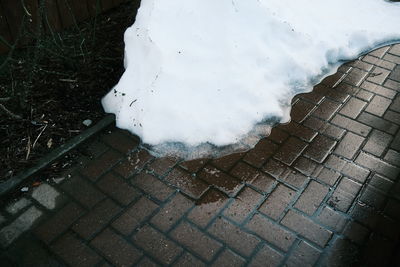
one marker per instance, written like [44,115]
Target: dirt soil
[52,86]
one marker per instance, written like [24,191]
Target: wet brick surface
[323,190]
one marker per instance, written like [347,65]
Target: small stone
[25,189]
[46,195]
[87,122]
[16,206]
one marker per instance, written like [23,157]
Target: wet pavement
[323,190]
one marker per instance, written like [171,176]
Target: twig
[28,152]
[10,113]
[37,138]
[5,99]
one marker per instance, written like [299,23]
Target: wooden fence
[58,14]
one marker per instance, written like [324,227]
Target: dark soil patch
[55,84]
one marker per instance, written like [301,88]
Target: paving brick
[96,219]
[59,223]
[373,88]
[351,125]
[227,162]
[333,131]
[392,209]
[365,95]
[381,183]
[47,196]
[171,212]
[101,164]
[349,145]
[396,143]
[301,110]
[152,186]
[314,123]
[188,259]
[18,205]
[392,117]
[395,74]
[260,153]
[395,50]
[316,96]
[276,168]
[356,232]
[392,58]
[279,136]
[189,185]
[341,93]
[306,227]
[134,216]
[392,157]
[299,130]
[344,194]
[83,191]
[378,123]
[207,208]
[361,64]
[224,182]
[95,148]
[392,84]
[290,150]
[380,52]
[303,254]
[373,198]
[233,236]
[277,202]
[133,163]
[336,163]
[228,258]
[353,108]
[263,183]
[378,75]
[305,166]
[332,219]
[365,215]
[193,165]
[376,164]
[320,148]
[377,142]
[355,77]
[310,200]
[328,176]
[120,141]
[356,172]
[74,252]
[331,80]
[395,104]
[341,253]
[21,224]
[271,232]
[295,179]
[116,249]
[162,165]
[245,172]
[246,202]
[118,189]
[205,246]
[266,255]
[156,244]
[378,105]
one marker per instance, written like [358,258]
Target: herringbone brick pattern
[322,190]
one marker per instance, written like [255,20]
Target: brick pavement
[323,190]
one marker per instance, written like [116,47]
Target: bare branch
[10,113]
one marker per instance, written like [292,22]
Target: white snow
[203,75]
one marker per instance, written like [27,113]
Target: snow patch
[206,77]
